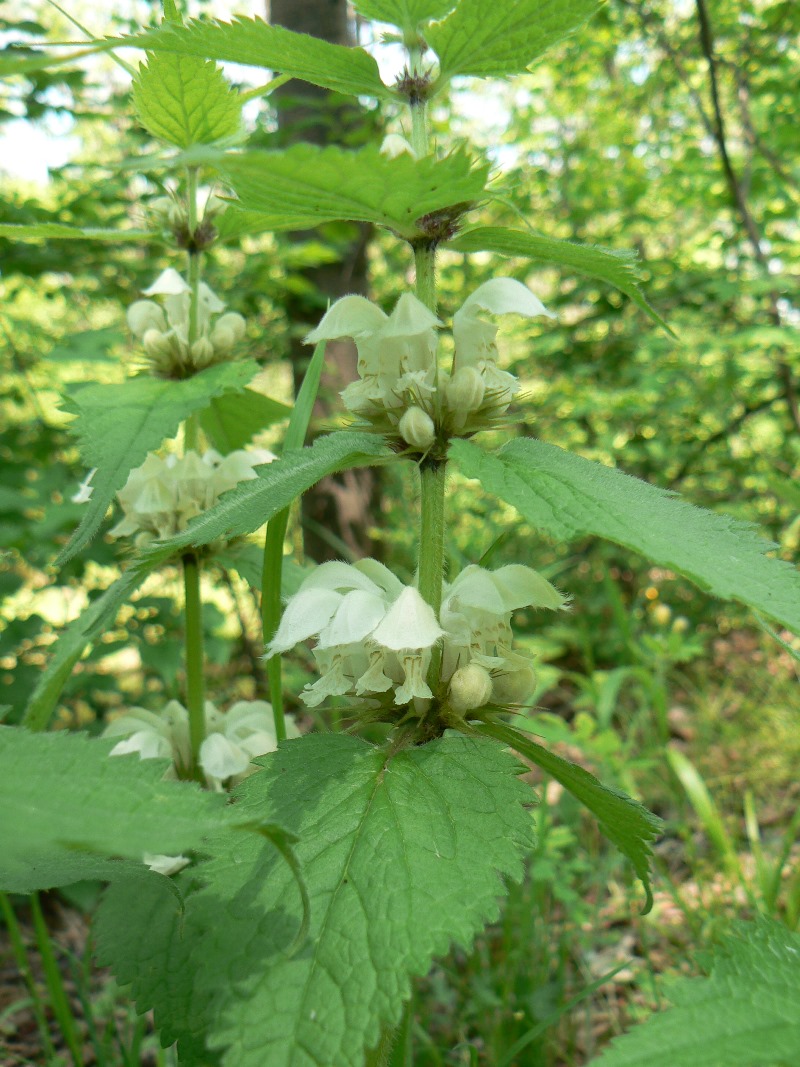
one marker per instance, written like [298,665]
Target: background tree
[339,514]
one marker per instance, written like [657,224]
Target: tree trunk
[337,514]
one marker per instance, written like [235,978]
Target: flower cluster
[399,389]
[232,740]
[166,492]
[375,635]
[164,331]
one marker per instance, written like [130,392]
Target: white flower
[164,331]
[166,865]
[476,617]
[85,489]
[162,495]
[177,296]
[397,361]
[476,339]
[396,353]
[375,635]
[232,741]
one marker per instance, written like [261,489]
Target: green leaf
[72,643]
[402,855]
[256,43]
[62,796]
[117,425]
[185,100]
[407,14]
[505,36]
[305,185]
[41,231]
[745,1014]
[88,345]
[568,497]
[252,503]
[618,268]
[232,420]
[626,823]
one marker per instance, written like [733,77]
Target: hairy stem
[195,697]
[431,546]
[194,255]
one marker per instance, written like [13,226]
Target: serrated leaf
[618,268]
[566,497]
[402,856]
[407,14]
[72,643]
[61,795]
[252,503]
[232,420]
[745,1014]
[185,100]
[505,36]
[306,185]
[254,42]
[625,822]
[41,231]
[117,425]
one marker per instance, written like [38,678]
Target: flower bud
[144,315]
[465,390]
[470,688]
[222,339]
[680,625]
[232,321]
[514,687]
[156,343]
[202,352]
[417,428]
[228,330]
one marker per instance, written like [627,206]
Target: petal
[522,587]
[415,668]
[352,316]
[221,758]
[168,283]
[503,296]
[342,577]
[208,300]
[474,588]
[165,864]
[306,613]
[410,318]
[356,617]
[85,489]
[381,576]
[147,743]
[409,623]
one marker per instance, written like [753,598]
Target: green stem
[194,256]
[271,612]
[431,547]
[431,555]
[425,267]
[195,697]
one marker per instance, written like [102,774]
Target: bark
[337,514]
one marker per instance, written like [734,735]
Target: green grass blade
[276,532]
